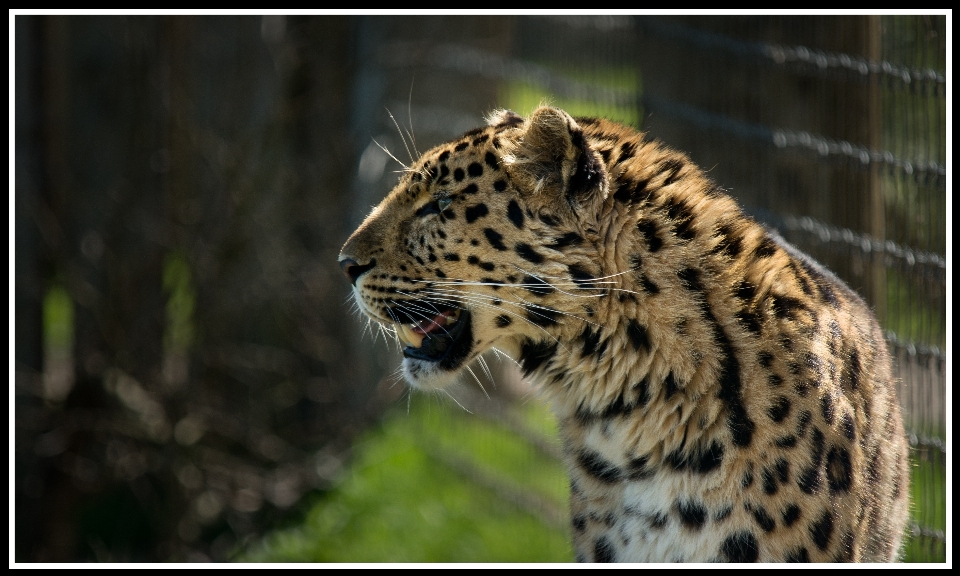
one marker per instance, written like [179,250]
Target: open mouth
[443,339]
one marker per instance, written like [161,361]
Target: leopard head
[488,241]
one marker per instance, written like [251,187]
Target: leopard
[720,396]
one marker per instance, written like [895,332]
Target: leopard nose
[353,270]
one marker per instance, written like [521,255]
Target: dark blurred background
[187,367]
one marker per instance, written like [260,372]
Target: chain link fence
[831,130]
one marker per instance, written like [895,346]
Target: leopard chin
[426,376]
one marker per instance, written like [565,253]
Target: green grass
[912,314]
[408,498]
[929,493]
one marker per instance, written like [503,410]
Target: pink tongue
[428,326]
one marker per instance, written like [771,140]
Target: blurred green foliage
[406,497]
[929,493]
[181,297]
[913,314]
[57,319]
[524,97]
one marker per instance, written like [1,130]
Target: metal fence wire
[831,130]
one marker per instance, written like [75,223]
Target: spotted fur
[721,396]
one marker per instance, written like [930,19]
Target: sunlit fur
[720,395]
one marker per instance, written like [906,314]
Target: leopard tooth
[408,336]
[452,318]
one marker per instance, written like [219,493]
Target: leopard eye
[435,207]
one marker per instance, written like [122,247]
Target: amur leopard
[720,395]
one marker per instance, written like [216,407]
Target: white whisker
[486,370]
[478,382]
[568,285]
[410,118]
[402,138]
[384,148]
[444,390]
[406,307]
[474,299]
[415,298]
[585,280]
[501,354]
[526,304]
[397,376]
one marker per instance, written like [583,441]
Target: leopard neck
[655,353]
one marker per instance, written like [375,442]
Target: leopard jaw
[413,334]
[407,336]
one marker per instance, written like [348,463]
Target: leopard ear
[551,154]
[503,117]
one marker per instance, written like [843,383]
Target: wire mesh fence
[831,130]
[193,172]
